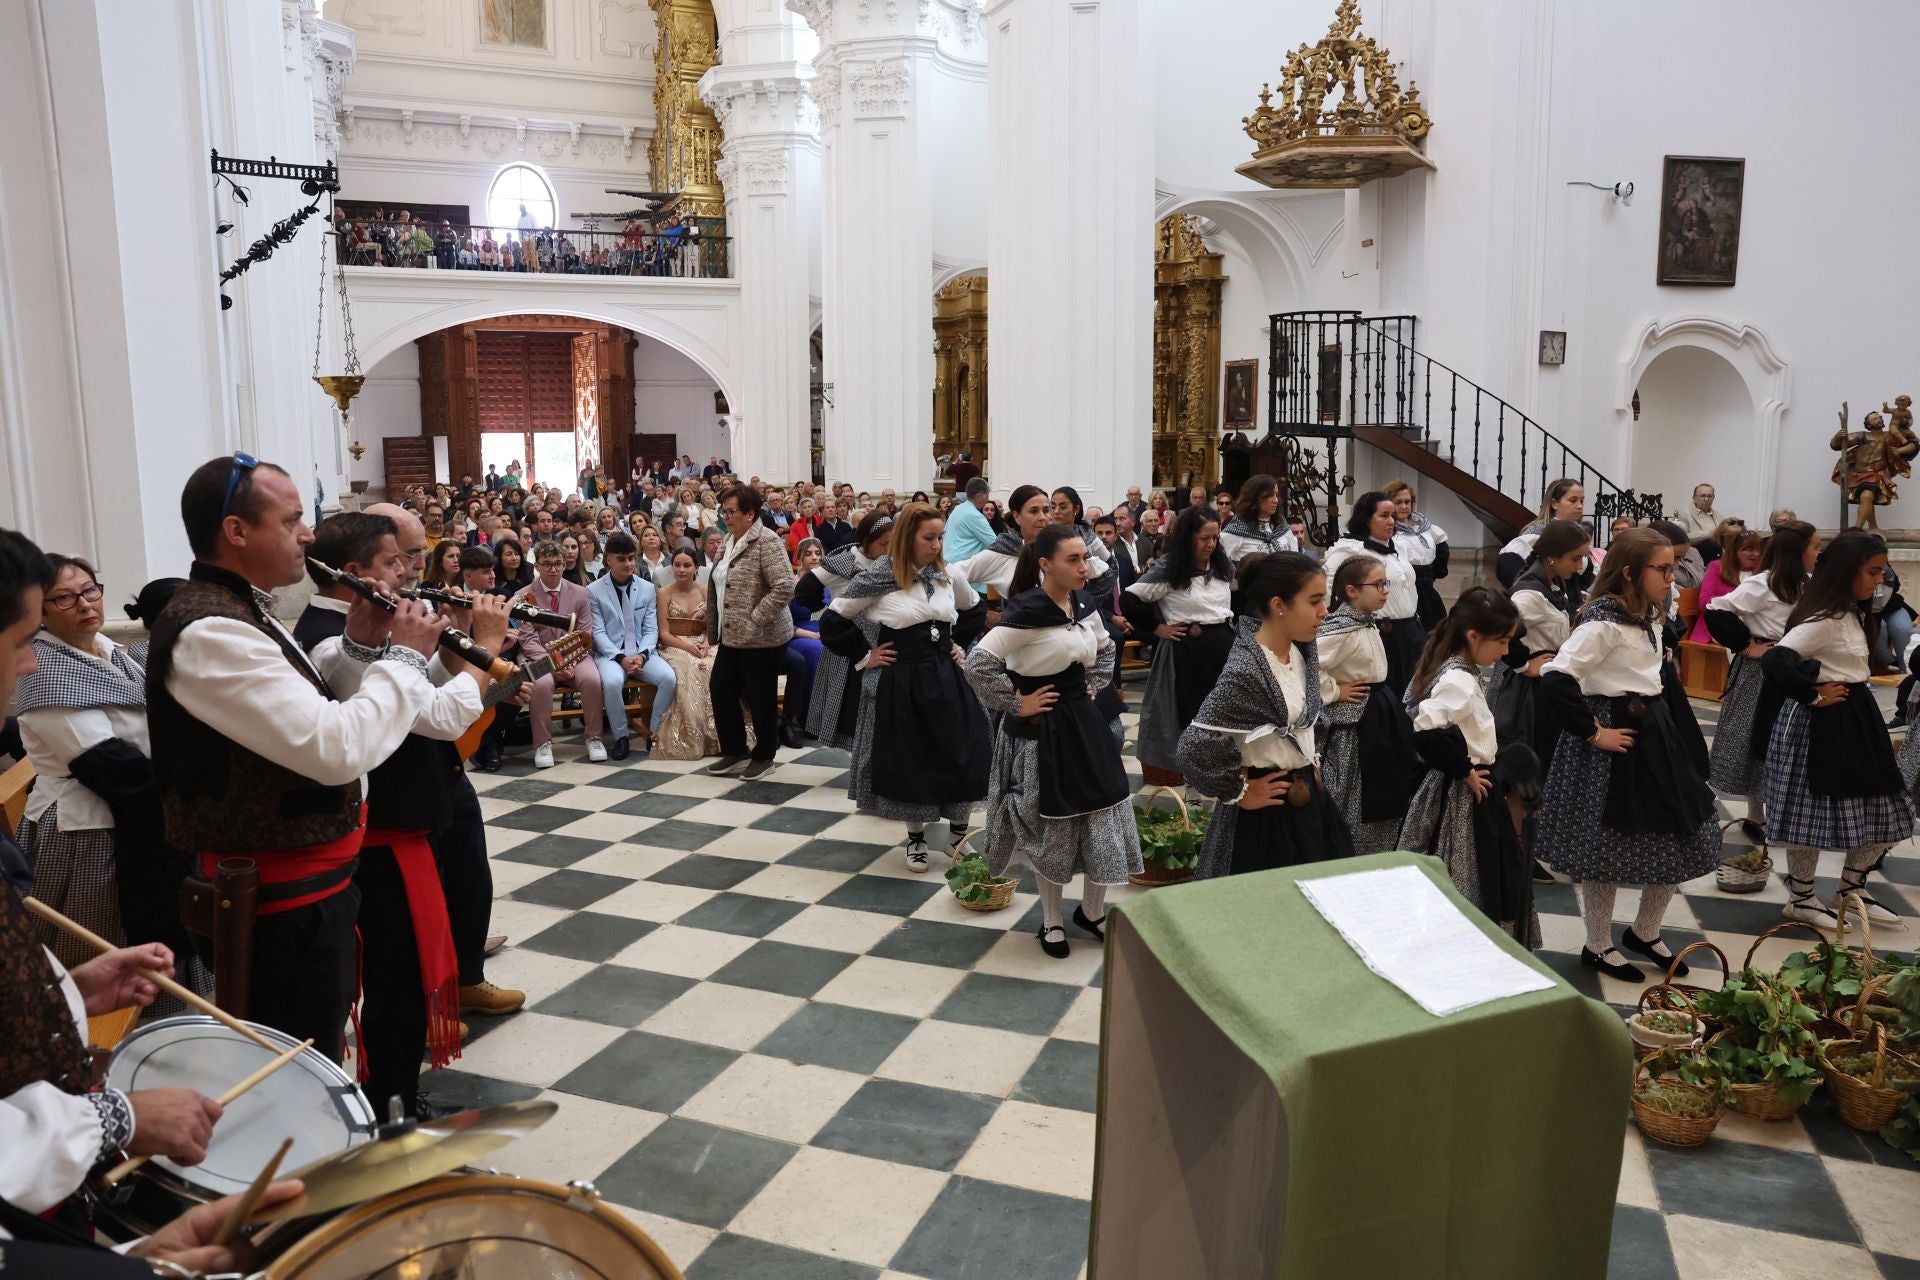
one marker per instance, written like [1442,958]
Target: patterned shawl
[1607,609]
[1416,525]
[877,580]
[66,680]
[1267,535]
[1565,597]
[1347,618]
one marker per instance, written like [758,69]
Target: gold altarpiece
[684,154]
[1187,284]
[960,368]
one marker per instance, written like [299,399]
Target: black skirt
[1429,608]
[930,743]
[1403,638]
[1197,663]
[1657,785]
[1385,736]
[1079,758]
[1288,835]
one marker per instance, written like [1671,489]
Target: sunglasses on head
[240,464]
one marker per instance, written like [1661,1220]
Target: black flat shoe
[1540,873]
[1651,950]
[1059,950]
[1091,926]
[622,747]
[1622,970]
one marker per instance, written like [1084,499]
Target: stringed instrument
[563,653]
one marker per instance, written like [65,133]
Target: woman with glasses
[83,721]
[1368,759]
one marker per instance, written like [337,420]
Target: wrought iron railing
[443,246]
[1332,371]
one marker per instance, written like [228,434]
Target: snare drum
[310,1100]
[483,1227]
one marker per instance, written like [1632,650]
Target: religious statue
[1870,459]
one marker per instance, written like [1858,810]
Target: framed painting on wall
[1700,199]
[1242,378]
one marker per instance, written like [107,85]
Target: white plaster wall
[958,109]
[389,405]
[673,394]
[1694,407]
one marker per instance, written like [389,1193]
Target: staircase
[1338,374]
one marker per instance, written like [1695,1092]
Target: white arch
[1768,380]
[945,273]
[1278,252]
[697,318]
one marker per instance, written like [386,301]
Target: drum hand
[187,1241]
[120,978]
[176,1123]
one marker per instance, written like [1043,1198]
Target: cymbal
[391,1164]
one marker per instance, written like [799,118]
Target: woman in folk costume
[1186,600]
[1367,756]
[1370,532]
[1060,800]
[1565,500]
[1029,510]
[1461,814]
[921,750]
[1748,620]
[1625,801]
[834,709]
[1257,524]
[1424,544]
[1251,746]
[1069,510]
[1832,780]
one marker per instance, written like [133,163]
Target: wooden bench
[1703,670]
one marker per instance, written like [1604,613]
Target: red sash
[432,935]
[315,861]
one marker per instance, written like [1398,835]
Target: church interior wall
[959,120]
[673,395]
[388,405]
[1694,411]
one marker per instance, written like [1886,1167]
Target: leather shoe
[489,760]
[484,997]
[1651,950]
[1058,949]
[1613,969]
[790,736]
[620,748]
[495,941]
[1091,926]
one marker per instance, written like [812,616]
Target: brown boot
[484,997]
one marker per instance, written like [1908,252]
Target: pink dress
[1710,586]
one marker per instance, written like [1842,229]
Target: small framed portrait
[1700,198]
[1553,346]
[1241,392]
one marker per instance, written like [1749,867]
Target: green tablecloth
[1270,1107]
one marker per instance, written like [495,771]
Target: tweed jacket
[759,585]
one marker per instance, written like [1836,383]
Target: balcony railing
[422,245]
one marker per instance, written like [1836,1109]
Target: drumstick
[126,1167]
[168,985]
[251,1196]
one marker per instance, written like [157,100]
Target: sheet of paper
[1411,934]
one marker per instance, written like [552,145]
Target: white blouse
[1238,546]
[834,581]
[1349,656]
[1270,746]
[1611,659]
[1420,548]
[1839,645]
[1205,600]
[1403,591]
[912,606]
[1042,651]
[1754,603]
[1456,699]
[53,736]
[988,568]
[1547,626]
[1521,546]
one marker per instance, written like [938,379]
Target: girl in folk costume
[921,750]
[1460,814]
[1370,532]
[1565,500]
[1832,780]
[1369,739]
[1070,511]
[1749,620]
[1424,544]
[1625,802]
[1251,747]
[1059,800]
[1257,524]
[1028,512]
[834,709]
[1186,600]
[1547,598]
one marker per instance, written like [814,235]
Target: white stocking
[1596,905]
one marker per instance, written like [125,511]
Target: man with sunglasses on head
[257,756]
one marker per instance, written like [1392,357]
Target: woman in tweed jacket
[748,588]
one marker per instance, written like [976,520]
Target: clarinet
[458,643]
[519,610]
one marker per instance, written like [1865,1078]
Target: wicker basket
[1866,1103]
[1763,1101]
[1661,998]
[1154,776]
[1690,990]
[1732,879]
[1152,874]
[1662,1126]
[999,892]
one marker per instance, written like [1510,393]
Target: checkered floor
[790,1059]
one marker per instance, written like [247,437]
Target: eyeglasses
[1664,570]
[1380,585]
[66,600]
[242,463]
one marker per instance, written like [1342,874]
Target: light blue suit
[623,629]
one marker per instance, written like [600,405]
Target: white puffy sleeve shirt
[1839,645]
[1403,589]
[49,1138]
[1754,603]
[1456,699]
[1611,659]
[1206,600]
[1275,746]
[1042,651]
[912,606]
[987,568]
[1547,627]
[1420,548]
[1349,656]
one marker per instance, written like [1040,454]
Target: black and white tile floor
[791,1059]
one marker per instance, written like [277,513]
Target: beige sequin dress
[687,733]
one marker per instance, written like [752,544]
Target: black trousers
[752,677]
[466,877]
[393,1007]
[303,970]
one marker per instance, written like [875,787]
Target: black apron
[930,742]
[1080,769]
[1386,744]
[1655,786]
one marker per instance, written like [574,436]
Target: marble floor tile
[948,1055]
[891,986]
[1704,1249]
[731,1017]
[690,953]
[1039,1148]
[535,1048]
[842,1205]
[773,1097]
[582,1138]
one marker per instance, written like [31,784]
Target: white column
[1070,244]
[872,81]
[770,169]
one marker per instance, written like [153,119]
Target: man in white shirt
[255,754]
[1701,519]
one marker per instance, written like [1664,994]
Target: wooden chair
[14,785]
[1687,609]
[1703,670]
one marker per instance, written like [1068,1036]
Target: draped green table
[1270,1107]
